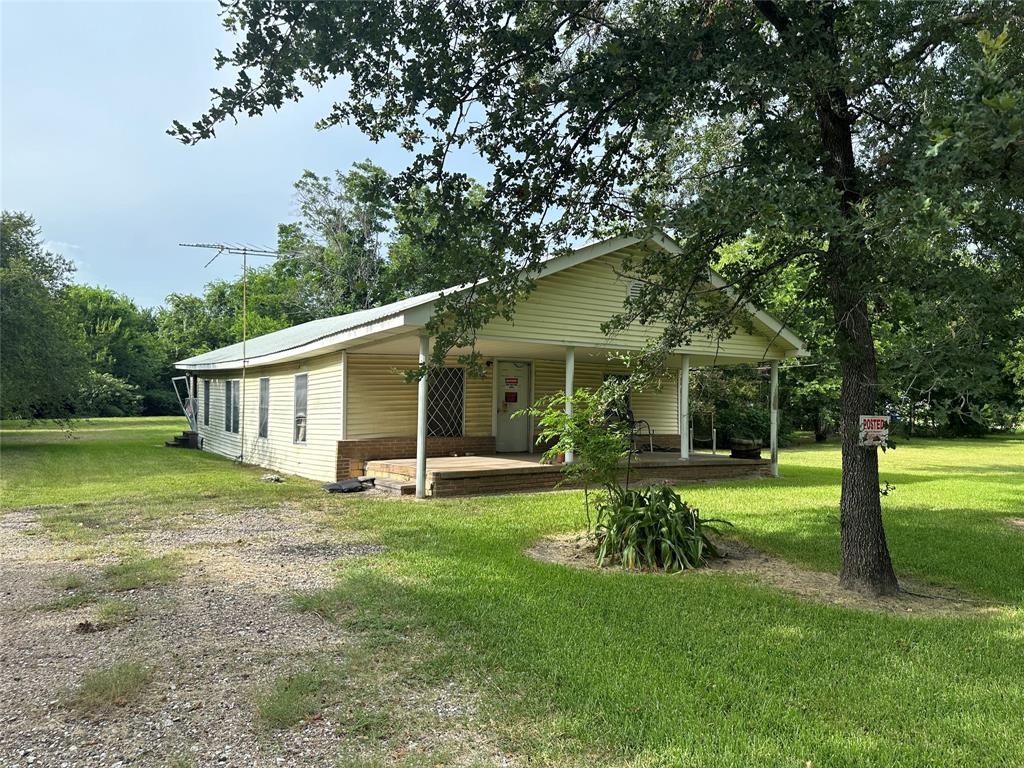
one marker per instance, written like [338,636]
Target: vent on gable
[635,288]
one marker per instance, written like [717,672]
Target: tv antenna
[245,251]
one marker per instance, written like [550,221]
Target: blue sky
[88,90]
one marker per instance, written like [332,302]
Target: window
[301,392]
[231,406]
[206,402]
[264,406]
[445,391]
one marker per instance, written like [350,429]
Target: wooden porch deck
[518,472]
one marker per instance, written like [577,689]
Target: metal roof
[307,333]
[313,337]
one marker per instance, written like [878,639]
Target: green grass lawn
[113,475]
[579,667]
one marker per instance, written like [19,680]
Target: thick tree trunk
[820,427]
[866,565]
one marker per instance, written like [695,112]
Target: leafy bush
[653,528]
[745,421]
[599,447]
[103,394]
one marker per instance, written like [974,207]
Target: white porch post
[570,372]
[684,409]
[774,437]
[344,394]
[421,423]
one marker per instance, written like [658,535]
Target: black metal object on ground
[350,486]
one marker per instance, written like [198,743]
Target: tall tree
[42,361]
[837,135]
[122,341]
[336,251]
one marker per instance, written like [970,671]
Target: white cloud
[59,246]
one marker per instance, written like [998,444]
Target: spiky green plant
[653,528]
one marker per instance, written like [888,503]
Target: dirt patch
[1016,522]
[224,630]
[577,551]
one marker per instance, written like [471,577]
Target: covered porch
[466,439]
[468,475]
[462,475]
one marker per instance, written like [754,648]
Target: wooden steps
[187,439]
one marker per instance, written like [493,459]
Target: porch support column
[421,423]
[344,394]
[774,436]
[570,372]
[684,409]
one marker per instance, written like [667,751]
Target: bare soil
[1016,522]
[213,638]
[577,550]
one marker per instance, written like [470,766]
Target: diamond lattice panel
[445,390]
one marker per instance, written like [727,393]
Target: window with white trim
[231,405]
[264,426]
[206,402]
[301,398]
[446,390]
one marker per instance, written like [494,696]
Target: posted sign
[874,431]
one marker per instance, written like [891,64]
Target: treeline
[950,358]
[951,362]
[72,350]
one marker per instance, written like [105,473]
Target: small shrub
[599,443]
[113,686]
[143,572]
[653,528]
[292,698]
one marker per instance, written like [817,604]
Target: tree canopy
[860,141]
[42,365]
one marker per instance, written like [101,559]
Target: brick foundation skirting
[353,454]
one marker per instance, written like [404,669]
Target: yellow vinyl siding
[316,458]
[382,404]
[657,406]
[569,307]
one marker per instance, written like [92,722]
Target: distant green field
[122,459]
[579,667]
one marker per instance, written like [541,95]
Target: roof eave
[383,327]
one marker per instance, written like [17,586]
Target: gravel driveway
[212,636]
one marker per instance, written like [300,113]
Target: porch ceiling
[408,345]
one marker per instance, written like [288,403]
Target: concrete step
[400,487]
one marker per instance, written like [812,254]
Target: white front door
[513,434]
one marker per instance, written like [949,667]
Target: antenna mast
[245,252]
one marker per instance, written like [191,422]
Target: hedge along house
[329,400]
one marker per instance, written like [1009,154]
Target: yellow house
[328,399]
